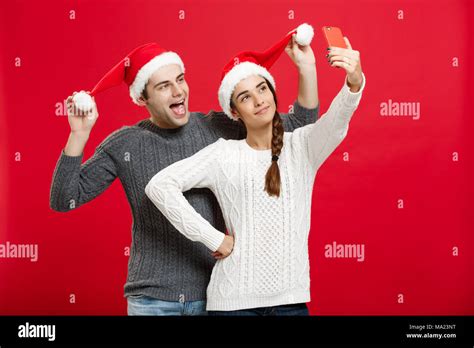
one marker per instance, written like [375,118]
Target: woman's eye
[244,98]
[263,88]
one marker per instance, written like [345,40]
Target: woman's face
[253,102]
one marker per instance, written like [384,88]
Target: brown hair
[272,178]
[145,93]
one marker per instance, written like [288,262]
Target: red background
[408,251]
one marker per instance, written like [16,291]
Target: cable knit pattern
[269,264]
[163,264]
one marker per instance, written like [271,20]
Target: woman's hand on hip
[225,249]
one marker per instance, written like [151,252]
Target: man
[167,273]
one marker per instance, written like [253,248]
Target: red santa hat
[250,63]
[135,70]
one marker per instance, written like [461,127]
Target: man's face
[253,102]
[168,94]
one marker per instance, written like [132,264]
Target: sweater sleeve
[300,117]
[166,189]
[320,139]
[74,184]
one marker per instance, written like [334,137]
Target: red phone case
[334,37]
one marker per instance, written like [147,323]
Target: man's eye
[163,86]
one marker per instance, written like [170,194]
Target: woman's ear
[234,113]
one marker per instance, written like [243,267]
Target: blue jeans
[145,305]
[299,309]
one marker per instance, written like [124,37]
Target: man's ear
[141,101]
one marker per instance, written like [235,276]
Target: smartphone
[334,37]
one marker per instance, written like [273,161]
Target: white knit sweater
[269,264]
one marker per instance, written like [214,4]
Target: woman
[263,184]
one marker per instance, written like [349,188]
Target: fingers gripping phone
[334,37]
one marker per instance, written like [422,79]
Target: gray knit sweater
[163,263]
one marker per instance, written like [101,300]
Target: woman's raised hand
[349,60]
[300,55]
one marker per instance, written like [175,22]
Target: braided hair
[272,177]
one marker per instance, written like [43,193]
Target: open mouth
[179,109]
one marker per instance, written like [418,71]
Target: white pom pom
[83,101]
[304,34]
